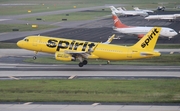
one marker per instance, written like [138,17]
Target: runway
[93,107]
[29,71]
[11,64]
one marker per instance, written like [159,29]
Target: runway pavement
[34,71]
[11,64]
[93,107]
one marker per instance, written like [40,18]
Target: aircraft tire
[85,62]
[81,64]
[34,57]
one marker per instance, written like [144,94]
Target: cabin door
[129,54]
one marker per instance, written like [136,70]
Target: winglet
[109,39]
[149,40]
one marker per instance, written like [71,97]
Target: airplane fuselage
[165,17]
[165,32]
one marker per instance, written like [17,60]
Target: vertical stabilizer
[136,8]
[117,22]
[121,9]
[149,40]
[113,9]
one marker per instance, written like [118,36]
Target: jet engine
[64,57]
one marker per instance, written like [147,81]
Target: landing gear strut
[34,57]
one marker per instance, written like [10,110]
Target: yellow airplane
[72,50]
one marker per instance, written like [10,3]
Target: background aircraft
[148,11]
[137,30]
[72,50]
[165,17]
[161,8]
[124,12]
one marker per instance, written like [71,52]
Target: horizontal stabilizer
[146,53]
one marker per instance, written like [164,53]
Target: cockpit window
[26,39]
[171,30]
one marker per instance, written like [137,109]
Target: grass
[84,90]
[8,45]
[167,46]
[39,6]
[77,16]
[23,27]
[45,5]
[166,59]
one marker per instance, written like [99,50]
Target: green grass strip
[76,16]
[8,45]
[84,90]
[23,27]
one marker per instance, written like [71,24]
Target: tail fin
[121,9]
[117,22]
[149,40]
[136,8]
[113,9]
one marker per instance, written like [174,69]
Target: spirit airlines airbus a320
[72,50]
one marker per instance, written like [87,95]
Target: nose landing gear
[34,57]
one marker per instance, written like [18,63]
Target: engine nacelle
[64,57]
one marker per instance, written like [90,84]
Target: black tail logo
[150,37]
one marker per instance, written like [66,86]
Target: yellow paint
[65,49]
[34,26]
[29,11]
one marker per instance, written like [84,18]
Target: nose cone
[19,44]
[176,33]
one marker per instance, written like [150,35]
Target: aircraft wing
[83,54]
[80,53]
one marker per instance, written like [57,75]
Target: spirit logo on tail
[150,37]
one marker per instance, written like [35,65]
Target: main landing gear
[81,64]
